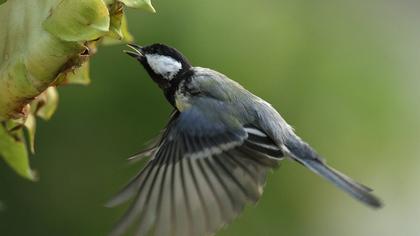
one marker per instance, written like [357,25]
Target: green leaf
[77,20]
[30,125]
[50,40]
[109,2]
[13,151]
[79,75]
[126,36]
[43,44]
[30,57]
[48,103]
[141,4]
[118,30]
[75,75]
[116,12]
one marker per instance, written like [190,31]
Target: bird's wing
[202,173]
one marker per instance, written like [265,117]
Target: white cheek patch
[163,65]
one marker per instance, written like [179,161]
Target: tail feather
[305,155]
[343,182]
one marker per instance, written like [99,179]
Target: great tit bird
[214,154]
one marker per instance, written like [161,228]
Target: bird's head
[163,63]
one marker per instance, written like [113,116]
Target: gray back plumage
[240,103]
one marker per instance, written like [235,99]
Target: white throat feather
[165,66]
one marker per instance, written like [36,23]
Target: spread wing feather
[199,177]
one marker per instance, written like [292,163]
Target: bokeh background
[345,74]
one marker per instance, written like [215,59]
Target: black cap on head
[164,64]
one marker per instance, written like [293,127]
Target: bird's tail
[305,155]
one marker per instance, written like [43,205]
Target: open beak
[137,51]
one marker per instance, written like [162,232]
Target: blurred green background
[345,74]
